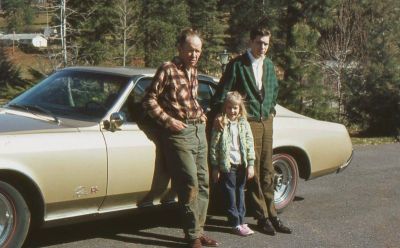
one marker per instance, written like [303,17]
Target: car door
[130,156]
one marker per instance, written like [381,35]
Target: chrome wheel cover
[282,180]
[6,218]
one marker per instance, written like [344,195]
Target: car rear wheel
[286,178]
[14,217]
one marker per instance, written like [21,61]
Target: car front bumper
[345,165]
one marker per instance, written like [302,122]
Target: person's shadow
[128,228]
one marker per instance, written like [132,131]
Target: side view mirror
[116,121]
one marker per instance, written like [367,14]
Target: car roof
[128,71]
[123,71]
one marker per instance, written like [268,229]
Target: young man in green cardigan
[253,75]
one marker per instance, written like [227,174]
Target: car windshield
[85,96]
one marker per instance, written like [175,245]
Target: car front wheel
[14,217]
[286,178]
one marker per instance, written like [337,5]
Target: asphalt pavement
[359,207]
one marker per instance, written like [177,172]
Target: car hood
[16,122]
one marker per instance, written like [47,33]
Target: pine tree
[296,32]
[205,17]
[161,22]
[19,14]
[91,24]
[243,15]
[374,105]
[11,82]
[304,87]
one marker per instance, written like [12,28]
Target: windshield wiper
[35,108]
[16,106]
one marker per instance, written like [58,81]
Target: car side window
[132,107]
[204,94]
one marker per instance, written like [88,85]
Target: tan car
[70,149]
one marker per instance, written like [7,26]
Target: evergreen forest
[336,60]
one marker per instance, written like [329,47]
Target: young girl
[231,156]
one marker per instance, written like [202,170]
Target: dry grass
[39,23]
[25,61]
[373,141]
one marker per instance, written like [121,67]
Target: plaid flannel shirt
[172,95]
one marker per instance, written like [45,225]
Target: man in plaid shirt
[171,101]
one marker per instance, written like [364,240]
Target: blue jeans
[233,183]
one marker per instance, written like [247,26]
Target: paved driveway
[359,207]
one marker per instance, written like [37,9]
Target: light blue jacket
[221,143]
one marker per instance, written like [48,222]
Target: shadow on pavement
[129,228]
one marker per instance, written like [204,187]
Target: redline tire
[14,217]
[285,180]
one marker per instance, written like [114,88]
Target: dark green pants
[260,189]
[186,153]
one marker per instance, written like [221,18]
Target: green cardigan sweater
[221,142]
[239,76]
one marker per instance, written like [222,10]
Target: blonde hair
[234,97]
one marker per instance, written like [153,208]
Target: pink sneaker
[247,228]
[239,230]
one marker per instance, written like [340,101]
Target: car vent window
[132,107]
[204,94]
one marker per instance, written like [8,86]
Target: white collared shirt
[189,74]
[257,65]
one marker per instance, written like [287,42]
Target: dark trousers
[233,183]
[161,175]
[186,153]
[261,188]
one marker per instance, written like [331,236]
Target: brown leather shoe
[194,243]
[207,241]
[279,226]
[265,227]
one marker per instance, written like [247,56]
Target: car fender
[298,151]
[22,178]
[327,144]
[12,166]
